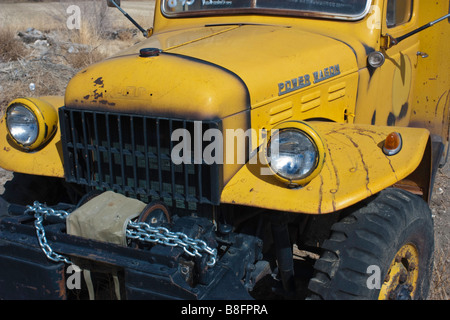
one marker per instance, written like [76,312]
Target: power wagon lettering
[305,80]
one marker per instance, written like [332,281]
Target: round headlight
[293,155]
[31,122]
[22,124]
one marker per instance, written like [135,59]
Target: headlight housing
[295,153]
[22,124]
[31,122]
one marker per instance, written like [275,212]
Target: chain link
[140,231]
[40,213]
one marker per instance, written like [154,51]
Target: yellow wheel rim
[402,274]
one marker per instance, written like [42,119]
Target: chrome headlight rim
[317,143]
[277,135]
[25,143]
[46,115]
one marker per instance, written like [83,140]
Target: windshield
[340,9]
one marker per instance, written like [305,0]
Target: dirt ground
[52,56]
[440,206]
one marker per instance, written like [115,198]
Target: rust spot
[368,133]
[410,186]
[99,82]
[336,175]
[62,284]
[319,209]
[392,168]
[365,166]
[97,95]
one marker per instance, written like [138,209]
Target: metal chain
[40,213]
[140,231]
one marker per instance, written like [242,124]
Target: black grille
[131,154]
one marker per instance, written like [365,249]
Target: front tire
[382,250]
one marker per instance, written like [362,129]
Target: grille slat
[131,154]
[98,148]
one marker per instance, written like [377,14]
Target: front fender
[355,168]
[46,161]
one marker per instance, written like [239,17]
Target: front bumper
[26,273]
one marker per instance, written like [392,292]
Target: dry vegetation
[37,47]
[441,213]
[11,48]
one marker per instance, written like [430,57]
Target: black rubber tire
[372,235]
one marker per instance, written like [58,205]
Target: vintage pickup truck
[243,144]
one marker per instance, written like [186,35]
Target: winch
[186,249]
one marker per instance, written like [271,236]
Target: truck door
[431,99]
[398,73]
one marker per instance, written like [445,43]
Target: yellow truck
[243,145]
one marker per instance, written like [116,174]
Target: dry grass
[48,78]
[20,16]
[11,48]
[52,15]
[50,68]
[85,58]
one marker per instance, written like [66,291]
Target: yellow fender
[50,160]
[355,167]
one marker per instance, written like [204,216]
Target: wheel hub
[400,282]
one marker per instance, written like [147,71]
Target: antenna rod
[421,28]
[144,32]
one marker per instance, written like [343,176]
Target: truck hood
[211,72]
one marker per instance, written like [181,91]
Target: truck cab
[239,140]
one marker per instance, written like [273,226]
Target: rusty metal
[400,282]
[149,273]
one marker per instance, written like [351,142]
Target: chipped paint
[355,168]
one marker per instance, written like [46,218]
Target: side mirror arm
[388,41]
[113,3]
